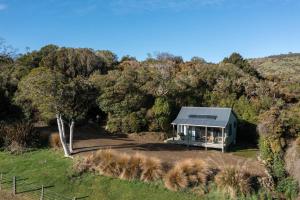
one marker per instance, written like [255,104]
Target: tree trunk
[71,136]
[62,139]
[62,127]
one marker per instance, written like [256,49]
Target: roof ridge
[206,107]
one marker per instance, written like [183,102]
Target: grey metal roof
[203,116]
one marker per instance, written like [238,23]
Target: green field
[50,168]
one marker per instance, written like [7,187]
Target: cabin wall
[232,124]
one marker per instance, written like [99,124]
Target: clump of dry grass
[176,179]
[81,165]
[54,140]
[234,181]
[152,169]
[187,173]
[107,162]
[135,167]
[298,141]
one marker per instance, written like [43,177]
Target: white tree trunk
[62,127]
[71,136]
[62,139]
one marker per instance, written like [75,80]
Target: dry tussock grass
[152,169]
[187,173]
[234,181]
[133,169]
[111,163]
[54,140]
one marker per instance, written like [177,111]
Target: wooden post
[223,140]
[187,135]
[1,177]
[205,137]
[74,198]
[14,186]
[42,193]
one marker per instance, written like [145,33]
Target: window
[203,116]
[180,128]
[234,125]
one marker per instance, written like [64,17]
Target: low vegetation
[113,164]
[18,136]
[188,174]
[234,181]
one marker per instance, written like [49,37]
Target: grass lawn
[247,153]
[49,167]
[245,150]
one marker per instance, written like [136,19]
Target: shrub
[234,182]
[54,140]
[278,169]
[15,148]
[19,135]
[187,173]
[289,187]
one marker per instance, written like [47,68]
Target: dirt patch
[148,136]
[89,139]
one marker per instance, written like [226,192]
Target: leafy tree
[121,94]
[239,61]
[7,52]
[160,114]
[33,59]
[61,88]
[110,59]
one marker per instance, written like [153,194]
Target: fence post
[14,186]
[1,177]
[42,193]
[74,198]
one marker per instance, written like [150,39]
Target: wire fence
[30,190]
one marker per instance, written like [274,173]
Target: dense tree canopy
[134,95]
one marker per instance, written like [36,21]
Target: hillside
[284,66]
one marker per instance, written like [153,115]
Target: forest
[68,87]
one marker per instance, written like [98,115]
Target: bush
[54,140]
[187,173]
[159,115]
[289,187]
[278,169]
[19,135]
[234,182]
